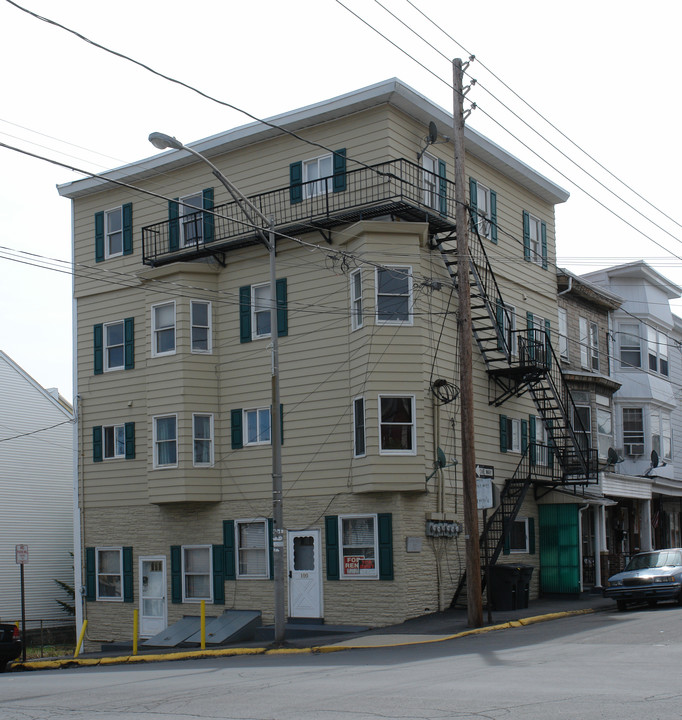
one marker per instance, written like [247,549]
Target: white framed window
[359,436]
[358,545]
[535,236]
[191,219]
[114,438]
[630,345]
[394,295]
[114,346]
[202,432]
[317,175]
[657,350]
[356,299]
[430,180]
[483,210]
[589,344]
[113,232]
[165,441]
[253,556]
[633,431]
[109,569]
[519,540]
[563,334]
[582,426]
[257,424]
[197,577]
[513,435]
[508,315]
[163,329]
[201,340]
[661,433]
[261,300]
[397,435]
[604,425]
[542,442]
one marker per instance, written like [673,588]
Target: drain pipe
[580,544]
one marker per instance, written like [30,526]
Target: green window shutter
[296,182]
[493,216]
[499,314]
[282,310]
[526,236]
[229,550]
[208,218]
[218,575]
[531,536]
[127,212]
[532,437]
[531,335]
[473,203]
[98,344]
[236,429]
[543,235]
[128,574]
[331,533]
[339,178]
[271,548]
[99,237]
[524,435]
[245,314]
[97,443]
[90,574]
[173,225]
[442,188]
[176,573]
[130,440]
[385,523]
[129,343]
[503,433]
[548,343]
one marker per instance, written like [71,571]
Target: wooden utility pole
[473,555]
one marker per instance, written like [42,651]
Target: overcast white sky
[605,73]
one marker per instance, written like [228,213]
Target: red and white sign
[21,554]
[358,565]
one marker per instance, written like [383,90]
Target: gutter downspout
[568,289]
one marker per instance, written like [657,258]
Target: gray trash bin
[504,582]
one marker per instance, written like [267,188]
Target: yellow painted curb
[288,651]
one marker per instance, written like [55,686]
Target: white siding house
[36,491]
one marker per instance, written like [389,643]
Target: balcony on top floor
[399,188]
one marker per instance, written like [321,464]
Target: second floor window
[604,425]
[633,431]
[661,433]
[630,347]
[317,175]
[163,329]
[114,441]
[201,326]
[359,427]
[257,426]
[397,426]
[191,219]
[657,348]
[165,441]
[114,356]
[356,299]
[394,295]
[589,345]
[113,232]
[202,428]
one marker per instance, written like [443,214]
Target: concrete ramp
[231,626]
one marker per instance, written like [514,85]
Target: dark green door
[559,549]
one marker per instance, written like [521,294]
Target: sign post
[484,492]
[21,552]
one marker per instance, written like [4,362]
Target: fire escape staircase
[520,361]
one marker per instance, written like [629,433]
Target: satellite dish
[613,457]
[654,459]
[442,462]
[433,132]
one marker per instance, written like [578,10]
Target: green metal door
[559,548]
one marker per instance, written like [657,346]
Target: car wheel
[622,605]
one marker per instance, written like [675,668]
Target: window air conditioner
[634,449]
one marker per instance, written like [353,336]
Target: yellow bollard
[80,639]
[135,627]
[203,624]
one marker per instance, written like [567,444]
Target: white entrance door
[153,615]
[305,574]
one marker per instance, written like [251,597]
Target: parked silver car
[648,577]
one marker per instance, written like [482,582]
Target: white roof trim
[391,91]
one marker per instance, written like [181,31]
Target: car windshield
[664,558]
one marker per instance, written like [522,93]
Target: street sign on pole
[21,552]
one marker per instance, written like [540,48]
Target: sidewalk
[436,627]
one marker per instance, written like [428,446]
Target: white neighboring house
[36,491]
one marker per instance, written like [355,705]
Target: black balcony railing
[398,188]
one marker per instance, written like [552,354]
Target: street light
[257,219]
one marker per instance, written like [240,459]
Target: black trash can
[523,586]
[504,582]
